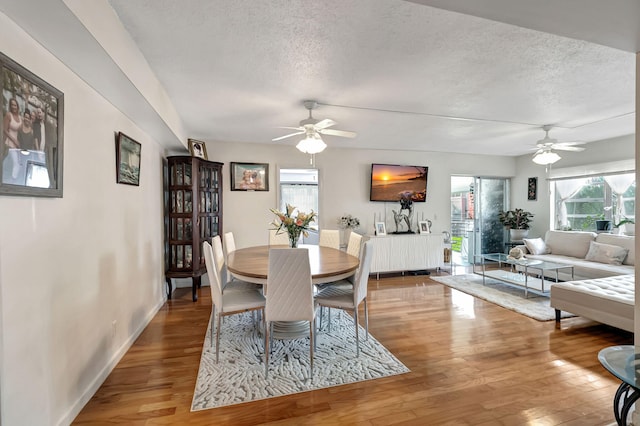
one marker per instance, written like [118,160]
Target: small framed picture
[249,176]
[423,225]
[128,154]
[532,189]
[198,149]
[381,229]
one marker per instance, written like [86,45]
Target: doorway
[475,228]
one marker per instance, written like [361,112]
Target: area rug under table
[507,296]
[239,375]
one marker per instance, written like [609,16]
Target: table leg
[628,395]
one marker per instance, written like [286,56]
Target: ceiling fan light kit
[545,154]
[546,157]
[311,144]
[312,129]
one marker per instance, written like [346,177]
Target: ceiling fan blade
[547,141]
[287,136]
[569,143]
[323,124]
[292,128]
[343,133]
[540,151]
[568,148]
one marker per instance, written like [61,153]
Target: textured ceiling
[395,72]
[403,75]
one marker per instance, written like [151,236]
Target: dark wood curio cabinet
[193,204]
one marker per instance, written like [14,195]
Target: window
[579,202]
[299,188]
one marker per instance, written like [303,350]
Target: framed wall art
[31,153]
[381,229]
[198,149]
[532,189]
[249,176]
[128,154]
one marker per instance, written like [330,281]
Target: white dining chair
[277,238]
[221,268]
[349,297]
[353,247]
[330,238]
[227,303]
[289,295]
[229,247]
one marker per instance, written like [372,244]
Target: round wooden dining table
[251,264]
[327,265]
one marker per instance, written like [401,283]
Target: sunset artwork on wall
[393,182]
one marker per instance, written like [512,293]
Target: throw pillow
[606,253]
[536,246]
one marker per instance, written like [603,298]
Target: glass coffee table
[518,272]
[624,363]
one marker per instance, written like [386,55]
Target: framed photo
[249,176]
[381,229]
[31,153]
[424,227]
[198,149]
[127,160]
[532,189]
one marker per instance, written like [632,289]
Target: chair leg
[315,333]
[366,318]
[321,315]
[218,337]
[355,322]
[311,345]
[266,350]
[213,318]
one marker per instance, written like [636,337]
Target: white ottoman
[607,300]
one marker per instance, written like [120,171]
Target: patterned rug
[239,375]
[509,297]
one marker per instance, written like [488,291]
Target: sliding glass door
[475,228]
[492,197]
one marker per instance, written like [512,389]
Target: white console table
[407,252]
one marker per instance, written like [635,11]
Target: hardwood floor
[471,362]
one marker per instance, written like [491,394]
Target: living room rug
[509,297]
[239,375]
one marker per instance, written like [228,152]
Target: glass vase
[294,236]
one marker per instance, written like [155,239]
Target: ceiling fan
[313,128]
[546,146]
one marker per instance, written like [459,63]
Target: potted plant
[603,224]
[617,226]
[517,222]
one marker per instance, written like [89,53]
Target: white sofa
[603,286]
[591,255]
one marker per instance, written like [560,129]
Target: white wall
[71,266]
[344,184]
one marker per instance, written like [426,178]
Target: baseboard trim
[93,387]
